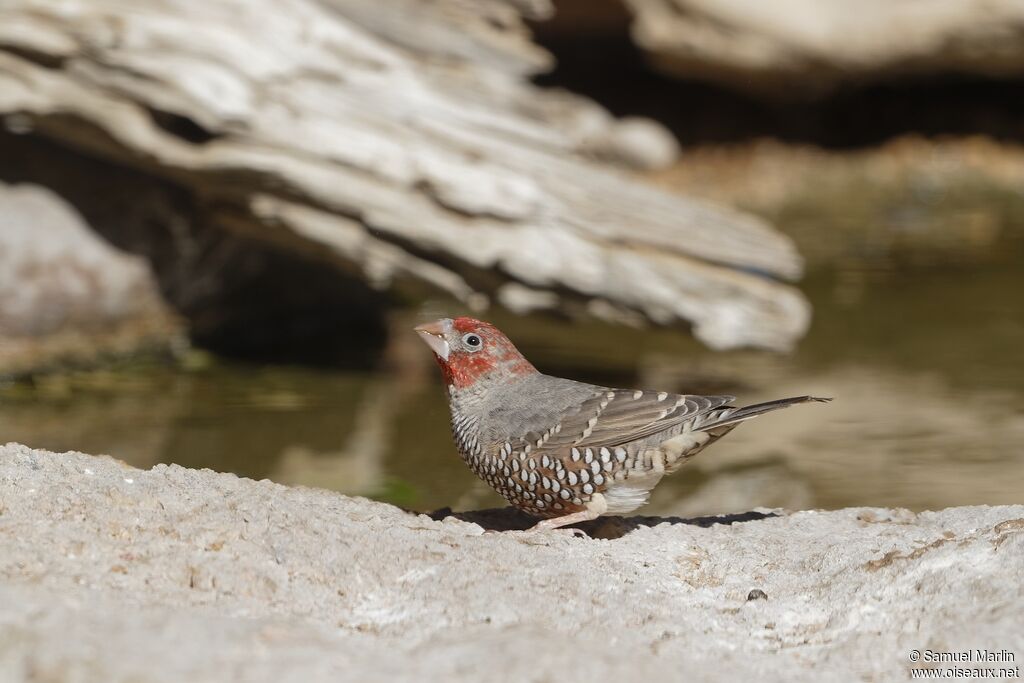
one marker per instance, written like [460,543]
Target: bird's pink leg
[558,522]
[595,508]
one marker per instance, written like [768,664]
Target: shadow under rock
[510,519]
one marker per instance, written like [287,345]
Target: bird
[567,451]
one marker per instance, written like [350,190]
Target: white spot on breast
[662,395]
[584,476]
[637,394]
[595,466]
[588,489]
[572,478]
[575,454]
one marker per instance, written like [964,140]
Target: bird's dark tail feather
[747,412]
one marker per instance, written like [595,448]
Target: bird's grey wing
[613,417]
[556,468]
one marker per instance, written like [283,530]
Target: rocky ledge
[112,573]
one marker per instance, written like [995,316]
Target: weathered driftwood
[789,47]
[401,141]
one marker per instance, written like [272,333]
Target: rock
[403,147]
[113,573]
[796,47]
[65,295]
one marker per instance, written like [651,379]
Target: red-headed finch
[563,450]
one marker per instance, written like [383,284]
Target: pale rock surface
[64,293]
[109,573]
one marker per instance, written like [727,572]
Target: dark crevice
[182,126]
[43,59]
[241,297]
[605,65]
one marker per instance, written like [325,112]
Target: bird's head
[470,351]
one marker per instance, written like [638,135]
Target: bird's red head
[469,350]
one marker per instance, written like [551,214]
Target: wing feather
[614,417]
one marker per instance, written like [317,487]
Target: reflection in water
[925,368]
[358,467]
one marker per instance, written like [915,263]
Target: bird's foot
[544,527]
[560,522]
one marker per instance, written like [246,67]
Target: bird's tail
[730,417]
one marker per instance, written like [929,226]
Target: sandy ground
[109,573]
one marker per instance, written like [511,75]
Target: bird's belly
[632,488]
[543,485]
[626,495]
[537,490]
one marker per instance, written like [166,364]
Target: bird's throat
[482,369]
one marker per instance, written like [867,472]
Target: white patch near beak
[436,343]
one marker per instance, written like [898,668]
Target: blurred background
[220,220]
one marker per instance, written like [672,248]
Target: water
[924,362]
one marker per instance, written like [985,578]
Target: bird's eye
[473,342]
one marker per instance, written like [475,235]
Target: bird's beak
[433,334]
